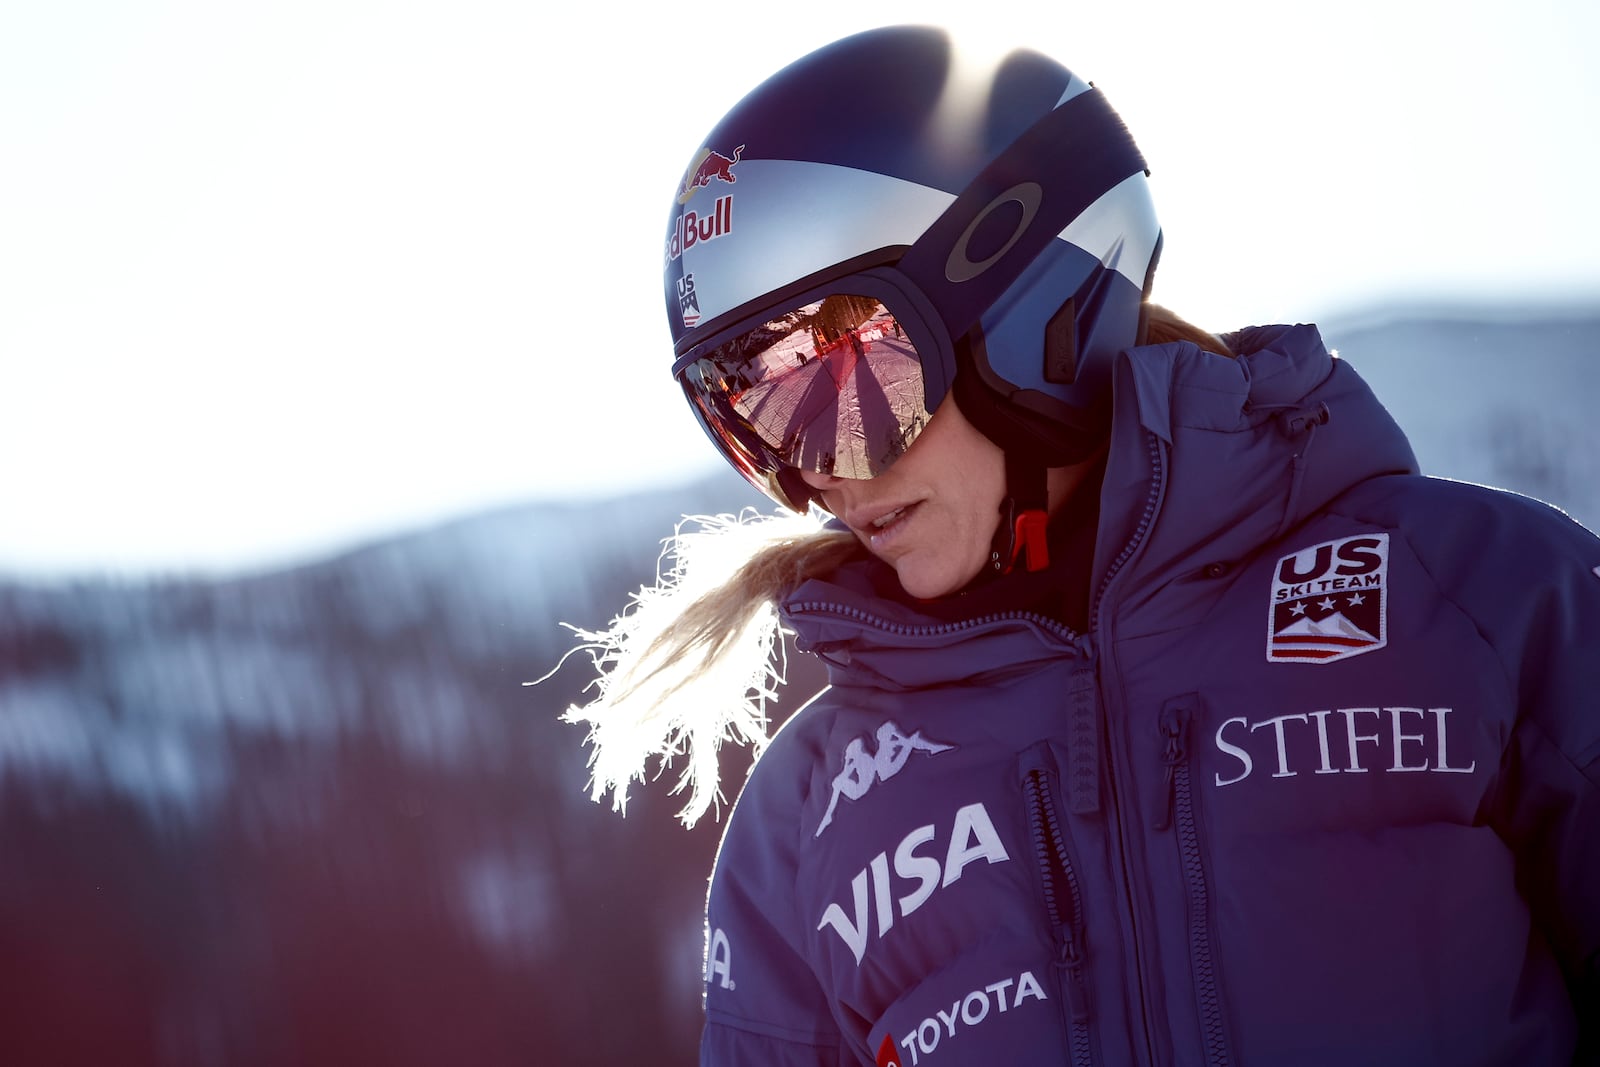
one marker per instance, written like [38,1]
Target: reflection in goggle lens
[834,387]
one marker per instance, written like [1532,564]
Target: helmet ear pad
[1061,345]
[1035,375]
[1064,436]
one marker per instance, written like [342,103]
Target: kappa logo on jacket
[861,769]
[1329,601]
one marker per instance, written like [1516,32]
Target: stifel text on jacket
[1411,739]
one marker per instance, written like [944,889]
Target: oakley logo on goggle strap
[960,267]
[834,387]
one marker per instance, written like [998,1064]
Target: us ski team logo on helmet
[1329,601]
[688,302]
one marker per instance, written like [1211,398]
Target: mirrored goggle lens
[833,386]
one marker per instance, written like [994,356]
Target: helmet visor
[832,386]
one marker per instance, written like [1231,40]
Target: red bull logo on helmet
[708,165]
[692,228]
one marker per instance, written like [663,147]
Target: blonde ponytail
[691,661]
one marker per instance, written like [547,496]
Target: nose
[818,480]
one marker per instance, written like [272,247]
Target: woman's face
[931,516]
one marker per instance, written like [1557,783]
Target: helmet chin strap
[1022,536]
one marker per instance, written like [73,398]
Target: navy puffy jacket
[1318,786]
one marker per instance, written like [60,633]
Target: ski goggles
[831,381]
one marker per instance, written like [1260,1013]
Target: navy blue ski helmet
[891,217]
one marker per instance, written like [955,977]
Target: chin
[930,586]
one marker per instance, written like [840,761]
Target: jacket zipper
[1103,639]
[878,622]
[1178,815]
[1152,504]
[1063,905]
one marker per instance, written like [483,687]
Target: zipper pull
[1174,727]
[1070,960]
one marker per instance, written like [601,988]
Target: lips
[883,531]
[875,517]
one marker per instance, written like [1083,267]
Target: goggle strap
[1080,151]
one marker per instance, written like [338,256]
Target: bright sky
[278,277]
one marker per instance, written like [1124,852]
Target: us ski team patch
[1329,601]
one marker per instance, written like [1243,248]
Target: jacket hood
[1252,447]
[1211,458]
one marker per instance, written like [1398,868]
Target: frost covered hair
[692,661]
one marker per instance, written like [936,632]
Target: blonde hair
[690,662]
[1163,326]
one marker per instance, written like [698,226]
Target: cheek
[980,485]
[973,492]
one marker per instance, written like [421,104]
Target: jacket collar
[1250,447]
